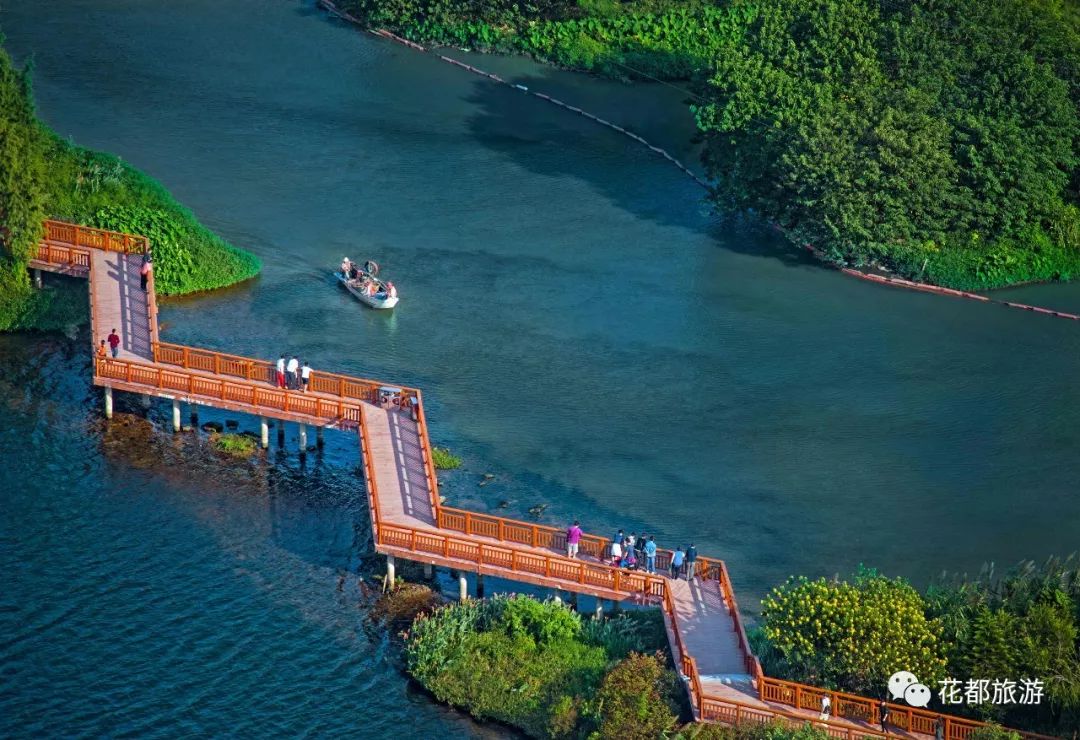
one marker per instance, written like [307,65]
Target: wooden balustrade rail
[369,478]
[74,235]
[265,371]
[64,256]
[542,535]
[425,448]
[516,560]
[247,396]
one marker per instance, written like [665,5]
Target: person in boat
[353,273]
[346,264]
[391,290]
[371,267]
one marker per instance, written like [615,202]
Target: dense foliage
[536,665]
[1024,625]
[22,191]
[754,731]
[666,39]
[638,698]
[851,636]
[1021,625]
[43,176]
[939,138]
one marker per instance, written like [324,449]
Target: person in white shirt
[281,372]
[305,375]
[290,372]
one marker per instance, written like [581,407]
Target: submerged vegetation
[43,176]
[852,636]
[444,459]
[237,445]
[938,139]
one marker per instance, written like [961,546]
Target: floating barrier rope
[331,8]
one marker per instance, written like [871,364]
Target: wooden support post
[479,585]
[108,402]
[429,571]
[463,587]
[555,596]
[37,278]
[319,441]
[599,613]
[264,432]
[391,576]
[303,438]
[176,415]
[281,434]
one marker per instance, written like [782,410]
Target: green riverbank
[938,140]
[43,176]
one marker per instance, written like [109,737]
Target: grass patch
[237,445]
[444,459]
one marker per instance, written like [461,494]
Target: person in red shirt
[114,343]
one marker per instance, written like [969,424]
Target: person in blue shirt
[650,555]
[677,562]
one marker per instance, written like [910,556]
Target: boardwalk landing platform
[723,678]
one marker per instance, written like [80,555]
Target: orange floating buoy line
[331,8]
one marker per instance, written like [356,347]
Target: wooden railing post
[501,535]
[254,396]
[616,580]
[480,553]
[798,696]
[159,385]
[341,386]
[128,373]
[513,560]
[217,364]
[534,536]
[468,523]
[191,385]
[186,358]
[412,539]
[446,547]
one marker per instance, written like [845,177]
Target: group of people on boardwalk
[293,375]
[632,552]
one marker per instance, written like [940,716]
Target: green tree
[850,636]
[22,193]
[637,699]
[939,137]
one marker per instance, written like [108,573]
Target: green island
[937,140]
[544,669]
[47,177]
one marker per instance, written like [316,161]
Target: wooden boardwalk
[723,678]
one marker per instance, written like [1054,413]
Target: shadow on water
[550,141]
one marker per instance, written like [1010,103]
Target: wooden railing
[425,448]
[264,371]
[516,560]
[542,535]
[74,235]
[369,478]
[248,395]
[63,256]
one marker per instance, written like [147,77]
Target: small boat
[368,288]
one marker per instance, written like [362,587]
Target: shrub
[637,699]
[400,607]
[443,460]
[850,636]
[237,445]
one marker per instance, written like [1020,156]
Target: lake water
[583,328]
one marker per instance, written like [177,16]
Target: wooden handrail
[75,235]
[267,402]
[519,560]
[220,363]
[369,478]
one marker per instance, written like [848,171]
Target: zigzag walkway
[724,680]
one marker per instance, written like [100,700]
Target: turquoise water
[581,325]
